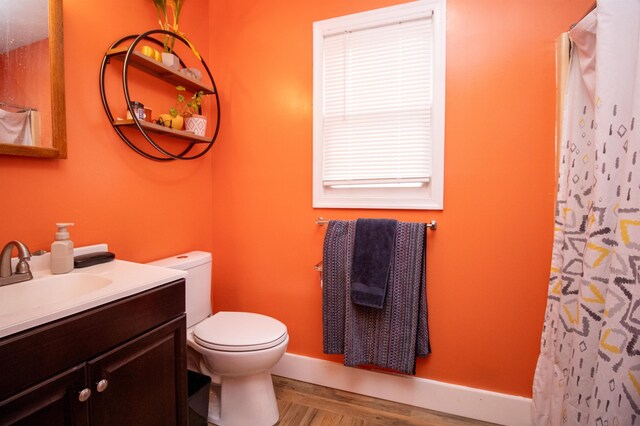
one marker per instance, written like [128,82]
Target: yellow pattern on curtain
[588,371]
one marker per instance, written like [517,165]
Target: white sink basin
[47,290]
[49,297]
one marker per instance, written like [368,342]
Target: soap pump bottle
[62,251]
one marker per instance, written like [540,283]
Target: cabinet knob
[84,394]
[102,385]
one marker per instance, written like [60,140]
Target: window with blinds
[378,109]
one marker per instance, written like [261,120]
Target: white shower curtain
[588,372]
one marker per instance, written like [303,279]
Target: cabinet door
[53,402]
[142,382]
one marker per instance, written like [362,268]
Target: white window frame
[429,196]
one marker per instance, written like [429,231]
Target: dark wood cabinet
[53,402]
[140,380]
[132,368]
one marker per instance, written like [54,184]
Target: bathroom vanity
[103,345]
[120,363]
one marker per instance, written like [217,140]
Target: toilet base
[245,396]
[246,400]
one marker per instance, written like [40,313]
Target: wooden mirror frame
[58,109]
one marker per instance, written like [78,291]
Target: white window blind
[377,104]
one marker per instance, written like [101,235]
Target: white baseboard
[438,396]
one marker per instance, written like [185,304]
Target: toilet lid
[239,332]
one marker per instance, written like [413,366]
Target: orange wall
[144,210]
[488,262]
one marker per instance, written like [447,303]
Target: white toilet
[237,349]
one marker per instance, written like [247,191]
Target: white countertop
[117,279]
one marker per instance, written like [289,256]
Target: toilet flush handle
[102,385]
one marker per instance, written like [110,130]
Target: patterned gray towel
[336,253]
[391,337]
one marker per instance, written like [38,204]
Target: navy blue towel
[372,254]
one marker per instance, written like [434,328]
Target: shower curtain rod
[583,16]
[433,225]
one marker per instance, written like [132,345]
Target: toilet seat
[239,332]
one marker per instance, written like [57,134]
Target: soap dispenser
[62,251]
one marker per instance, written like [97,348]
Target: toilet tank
[198,282]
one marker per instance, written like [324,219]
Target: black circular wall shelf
[124,50]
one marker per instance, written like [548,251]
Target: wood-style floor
[303,404]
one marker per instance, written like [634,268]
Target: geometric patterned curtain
[588,371]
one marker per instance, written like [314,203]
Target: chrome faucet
[23,273]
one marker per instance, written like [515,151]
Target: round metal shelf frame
[168,156]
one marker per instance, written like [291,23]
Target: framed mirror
[32,103]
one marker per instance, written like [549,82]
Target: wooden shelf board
[153,67]
[156,128]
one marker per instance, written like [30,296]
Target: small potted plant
[185,113]
[194,121]
[168,42]
[174,118]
